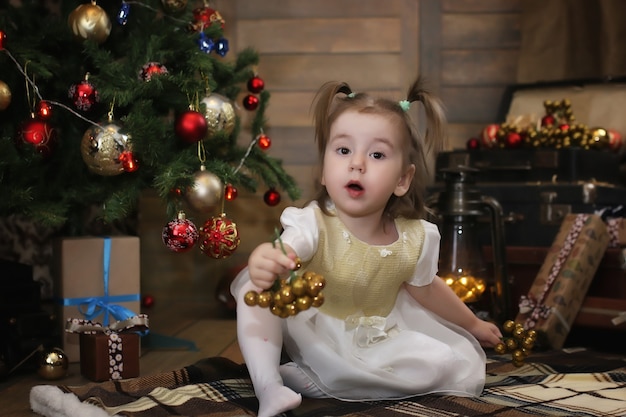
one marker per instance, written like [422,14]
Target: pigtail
[323,103]
[435,134]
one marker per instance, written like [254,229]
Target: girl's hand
[487,334]
[266,263]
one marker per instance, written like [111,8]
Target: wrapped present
[96,279]
[109,352]
[617,232]
[558,291]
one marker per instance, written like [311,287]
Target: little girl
[389,328]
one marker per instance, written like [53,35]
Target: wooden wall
[467,49]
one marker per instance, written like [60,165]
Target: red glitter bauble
[256,85]
[84,95]
[180,234]
[219,237]
[271,197]
[3,37]
[151,69]
[230,192]
[250,102]
[264,141]
[472,144]
[44,110]
[191,126]
[203,17]
[39,134]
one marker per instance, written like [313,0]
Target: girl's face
[364,163]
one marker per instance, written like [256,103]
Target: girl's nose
[356,163]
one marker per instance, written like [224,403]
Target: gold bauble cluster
[288,297]
[557,129]
[517,341]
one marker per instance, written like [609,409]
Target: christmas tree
[99,102]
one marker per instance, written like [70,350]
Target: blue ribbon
[92,307]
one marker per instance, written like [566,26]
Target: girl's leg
[260,337]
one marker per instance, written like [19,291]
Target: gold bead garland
[519,343]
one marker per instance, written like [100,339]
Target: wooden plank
[410,42]
[309,71]
[254,9]
[468,31]
[472,104]
[294,145]
[346,35]
[479,67]
[474,6]
[430,42]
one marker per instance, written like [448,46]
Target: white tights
[260,338]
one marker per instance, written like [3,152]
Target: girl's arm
[441,300]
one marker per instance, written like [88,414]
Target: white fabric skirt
[410,352]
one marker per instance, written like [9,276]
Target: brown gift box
[558,291]
[98,364]
[79,275]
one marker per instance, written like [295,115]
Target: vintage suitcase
[539,165]
[533,211]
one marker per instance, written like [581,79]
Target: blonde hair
[334,98]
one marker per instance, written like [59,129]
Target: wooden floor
[185,321]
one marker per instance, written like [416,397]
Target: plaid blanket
[581,383]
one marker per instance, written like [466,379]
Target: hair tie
[351,95]
[404,105]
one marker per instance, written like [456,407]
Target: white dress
[353,349]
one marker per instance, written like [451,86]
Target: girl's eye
[343,151]
[377,155]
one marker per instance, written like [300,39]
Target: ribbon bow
[527,304]
[369,329]
[135,324]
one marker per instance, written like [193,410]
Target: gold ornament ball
[173,6]
[219,113]
[101,148]
[53,364]
[90,21]
[206,192]
[5,95]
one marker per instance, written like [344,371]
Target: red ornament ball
[250,102]
[83,95]
[219,237]
[39,134]
[147,301]
[180,234]
[230,192]
[44,110]
[513,140]
[264,141]
[3,38]
[616,141]
[256,85]
[489,135]
[191,126]
[203,17]
[472,144]
[129,162]
[548,120]
[271,197]
[151,69]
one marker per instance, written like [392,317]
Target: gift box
[97,278]
[617,232]
[557,293]
[109,352]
